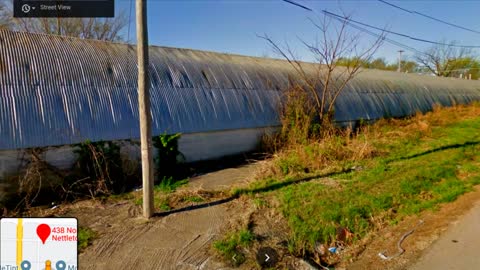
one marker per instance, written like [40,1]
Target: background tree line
[108,29]
[380,63]
[439,60]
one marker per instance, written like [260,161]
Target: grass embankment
[377,176]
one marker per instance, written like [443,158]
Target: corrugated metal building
[60,91]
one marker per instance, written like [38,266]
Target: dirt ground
[225,179]
[180,240]
[183,240]
[127,241]
[460,241]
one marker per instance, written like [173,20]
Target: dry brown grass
[422,123]
[333,149]
[328,153]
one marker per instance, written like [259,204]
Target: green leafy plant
[168,159]
[168,156]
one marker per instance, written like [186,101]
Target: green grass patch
[259,203]
[290,164]
[161,193]
[230,246]
[168,185]
[122,196]
[193,199]
[138,201]
[85,237]
[160,201]
[314,211]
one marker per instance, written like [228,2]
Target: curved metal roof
[59,90]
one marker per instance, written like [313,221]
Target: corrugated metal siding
[374,94]
[58,90]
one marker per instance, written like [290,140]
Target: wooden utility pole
[144,108]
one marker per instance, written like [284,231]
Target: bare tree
[90,28]
[109,29]
[443,60]
[327,79]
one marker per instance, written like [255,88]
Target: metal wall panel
[58,90]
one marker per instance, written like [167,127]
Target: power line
[430,17]
[400,34]
[391,41]
[298,5]
[331,14]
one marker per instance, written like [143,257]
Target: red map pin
[43,231]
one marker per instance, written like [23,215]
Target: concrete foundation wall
[195,147]
[11,161]
[212,145]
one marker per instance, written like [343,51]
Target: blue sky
[232,26]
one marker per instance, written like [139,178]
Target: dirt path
[177,241]
[457,248]
[225,179]
[181,240]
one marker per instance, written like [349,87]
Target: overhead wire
[400,34]
[297,4]
[331,14]
[391,41]
[394,42]
[430,17]
[403,46]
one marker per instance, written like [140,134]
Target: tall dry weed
[297,116]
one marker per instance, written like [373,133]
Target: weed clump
[85,237]
[35,183]
[97,171]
